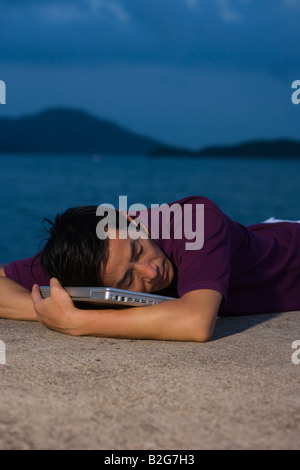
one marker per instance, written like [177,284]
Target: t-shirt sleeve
[207,267]
[27,272]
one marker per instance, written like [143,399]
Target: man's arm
[15,300]
[190,318]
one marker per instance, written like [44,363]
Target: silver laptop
[107,296]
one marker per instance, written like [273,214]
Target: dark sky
[189,72]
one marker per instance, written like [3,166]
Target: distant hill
[262,148]
[62,130]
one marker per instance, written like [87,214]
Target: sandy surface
[239,391]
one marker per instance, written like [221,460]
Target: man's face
[137,265]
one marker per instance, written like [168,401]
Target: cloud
[67,10]
[192,4]
[239,34]
[188,72]
[64,12]
[109,6]
[227,12]
[293,4]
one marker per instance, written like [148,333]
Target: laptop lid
[109,296]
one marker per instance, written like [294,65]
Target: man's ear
[137,223]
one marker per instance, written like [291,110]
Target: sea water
[36,186]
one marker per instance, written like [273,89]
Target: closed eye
[140,251]
[128,281]
[137,250]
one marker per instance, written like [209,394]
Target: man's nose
[148,271]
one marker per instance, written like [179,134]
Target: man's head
[76,256]
[73,251]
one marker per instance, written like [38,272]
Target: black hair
[73,253]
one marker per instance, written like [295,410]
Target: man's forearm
[154,323]
[15,301]
[168,321]
[189,318]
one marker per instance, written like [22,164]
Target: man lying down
[188,249]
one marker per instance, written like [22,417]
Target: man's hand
[189,318]
[58,311]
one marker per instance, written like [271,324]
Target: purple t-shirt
[256,268]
